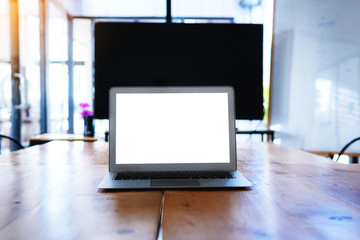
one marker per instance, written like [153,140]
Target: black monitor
[159,54]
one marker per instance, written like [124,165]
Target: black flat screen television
[159,54]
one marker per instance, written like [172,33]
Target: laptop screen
[172,128]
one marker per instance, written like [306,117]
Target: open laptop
[172,137]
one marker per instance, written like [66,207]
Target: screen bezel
[113,167]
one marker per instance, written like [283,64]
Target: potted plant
[88,116]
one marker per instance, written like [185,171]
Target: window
[5,71]
[204,11]
[58,82]
[30,67]
[78,71]
[82,68]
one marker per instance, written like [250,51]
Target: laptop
[172,138]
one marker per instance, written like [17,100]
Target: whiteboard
[316,74]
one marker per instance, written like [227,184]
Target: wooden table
[47,137]
[50,191]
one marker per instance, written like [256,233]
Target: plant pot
[89,128]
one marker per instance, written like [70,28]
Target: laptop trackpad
[174,183]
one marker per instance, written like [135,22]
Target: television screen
[159,54]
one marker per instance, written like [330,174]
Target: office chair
[11,139]
[346,146]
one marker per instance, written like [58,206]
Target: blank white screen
[153,128]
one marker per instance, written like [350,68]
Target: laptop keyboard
[174,175]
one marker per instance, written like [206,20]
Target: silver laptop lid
[172,129]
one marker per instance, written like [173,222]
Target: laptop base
[239,181]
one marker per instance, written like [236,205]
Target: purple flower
[86,112]
[84,105]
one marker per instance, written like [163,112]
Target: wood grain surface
[296,195]
[50,192]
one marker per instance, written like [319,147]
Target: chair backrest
[12,140]
[346,146]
